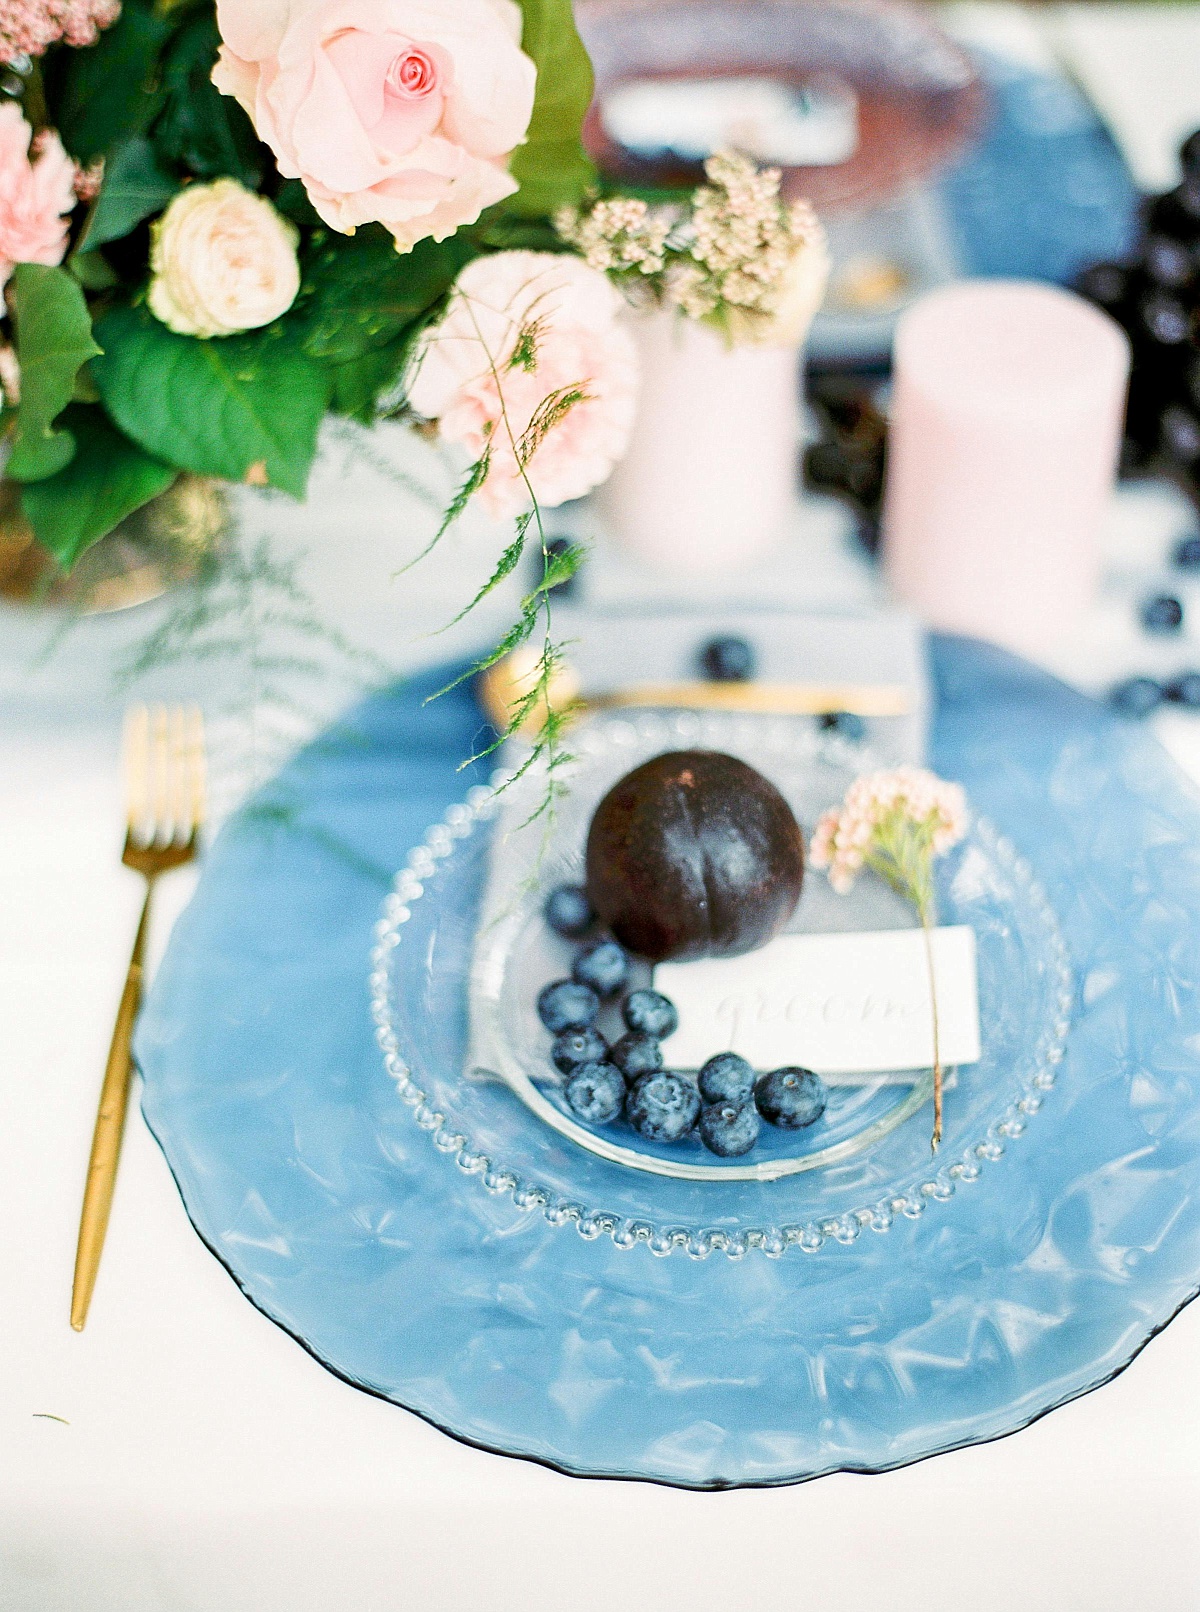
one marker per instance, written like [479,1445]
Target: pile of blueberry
[726,1104]
[1156,298]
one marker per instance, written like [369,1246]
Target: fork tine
[179,769]
[197,768]
[135,749]
[160,774]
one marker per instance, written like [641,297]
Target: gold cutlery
[163,754]
[502,686]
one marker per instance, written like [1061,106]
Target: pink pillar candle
[1006,415]
[710,476]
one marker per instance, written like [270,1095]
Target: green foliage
[361,294]
[552,168]
[108,92]
[217,407]
[363,304]
[135,187]
[199,128]
[107,478]
[357,385]
[54,337]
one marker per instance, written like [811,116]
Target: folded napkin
[615,651]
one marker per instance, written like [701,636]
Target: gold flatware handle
[782,699]
[106,1138]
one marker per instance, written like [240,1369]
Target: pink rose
[34,196]
[401,111]
[528,325]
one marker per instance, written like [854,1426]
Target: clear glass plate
[440,956]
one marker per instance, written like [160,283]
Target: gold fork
[164,807]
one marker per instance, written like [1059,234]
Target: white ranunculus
[223,260]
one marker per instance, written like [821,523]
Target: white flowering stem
[927,931]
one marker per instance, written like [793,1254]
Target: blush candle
[1007,405]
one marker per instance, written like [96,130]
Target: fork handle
[110,1126]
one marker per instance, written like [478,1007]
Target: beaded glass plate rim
[460,821]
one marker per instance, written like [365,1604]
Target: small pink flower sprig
[897,824]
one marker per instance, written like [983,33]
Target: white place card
[849,1006]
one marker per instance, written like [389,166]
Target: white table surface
[184,1455]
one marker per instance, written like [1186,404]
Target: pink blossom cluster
[900,819]
[27,27]
[35,195]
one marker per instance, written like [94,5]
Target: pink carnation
[27,27]
[34,195]
[523,328]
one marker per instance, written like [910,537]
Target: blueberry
[1167,262]
[1136,696]
[662,1107]
[727,660]
[596,1092]
[846,723]
[1187,553]
[1106,284]
[790,1098]
[567,1005]
[1166,320]
[652,1012]
[1162,614]
[726,1079]
[637,1053]
[604,966]
[1179,434]
[1185,689]
[569,912]
[728,1129]
[576,1047]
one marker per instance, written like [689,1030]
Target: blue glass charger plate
[305,1174]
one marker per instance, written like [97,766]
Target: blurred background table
[184,1454]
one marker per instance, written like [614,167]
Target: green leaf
[217,407]
[292,201]
[92,271]
[199,128]
[54,337]
[358,384]
[552,168]
[107,92]
[135,187]
[108,478]
[363,294]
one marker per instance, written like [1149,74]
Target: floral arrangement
[221,223]
[897,824]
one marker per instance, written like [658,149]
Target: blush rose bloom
[403,112]
[34,196]
[541,322]
[222,260]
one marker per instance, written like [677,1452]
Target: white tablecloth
[183,1455]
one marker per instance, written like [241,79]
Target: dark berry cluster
[1156,298]
[726,1104]
[849,459]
